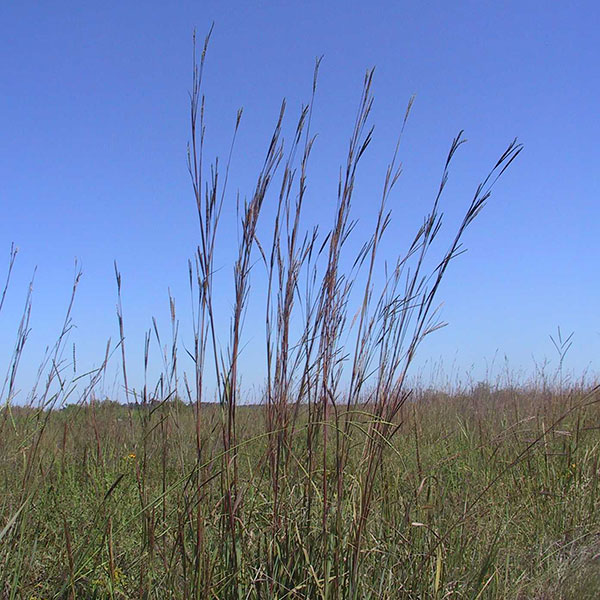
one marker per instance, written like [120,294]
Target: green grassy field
[478,496]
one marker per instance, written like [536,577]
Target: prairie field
[338,476]
[488,494]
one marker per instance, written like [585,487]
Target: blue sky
[94,120]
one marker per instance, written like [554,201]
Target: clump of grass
[341,483]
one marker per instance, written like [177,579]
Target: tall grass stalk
[346,481]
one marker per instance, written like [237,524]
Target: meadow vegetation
[490,494]
[345,481]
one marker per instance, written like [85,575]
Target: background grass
[116,518]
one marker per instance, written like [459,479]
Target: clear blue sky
[94,122]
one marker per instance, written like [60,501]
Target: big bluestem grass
[345,481]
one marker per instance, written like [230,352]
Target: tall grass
[343,483]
